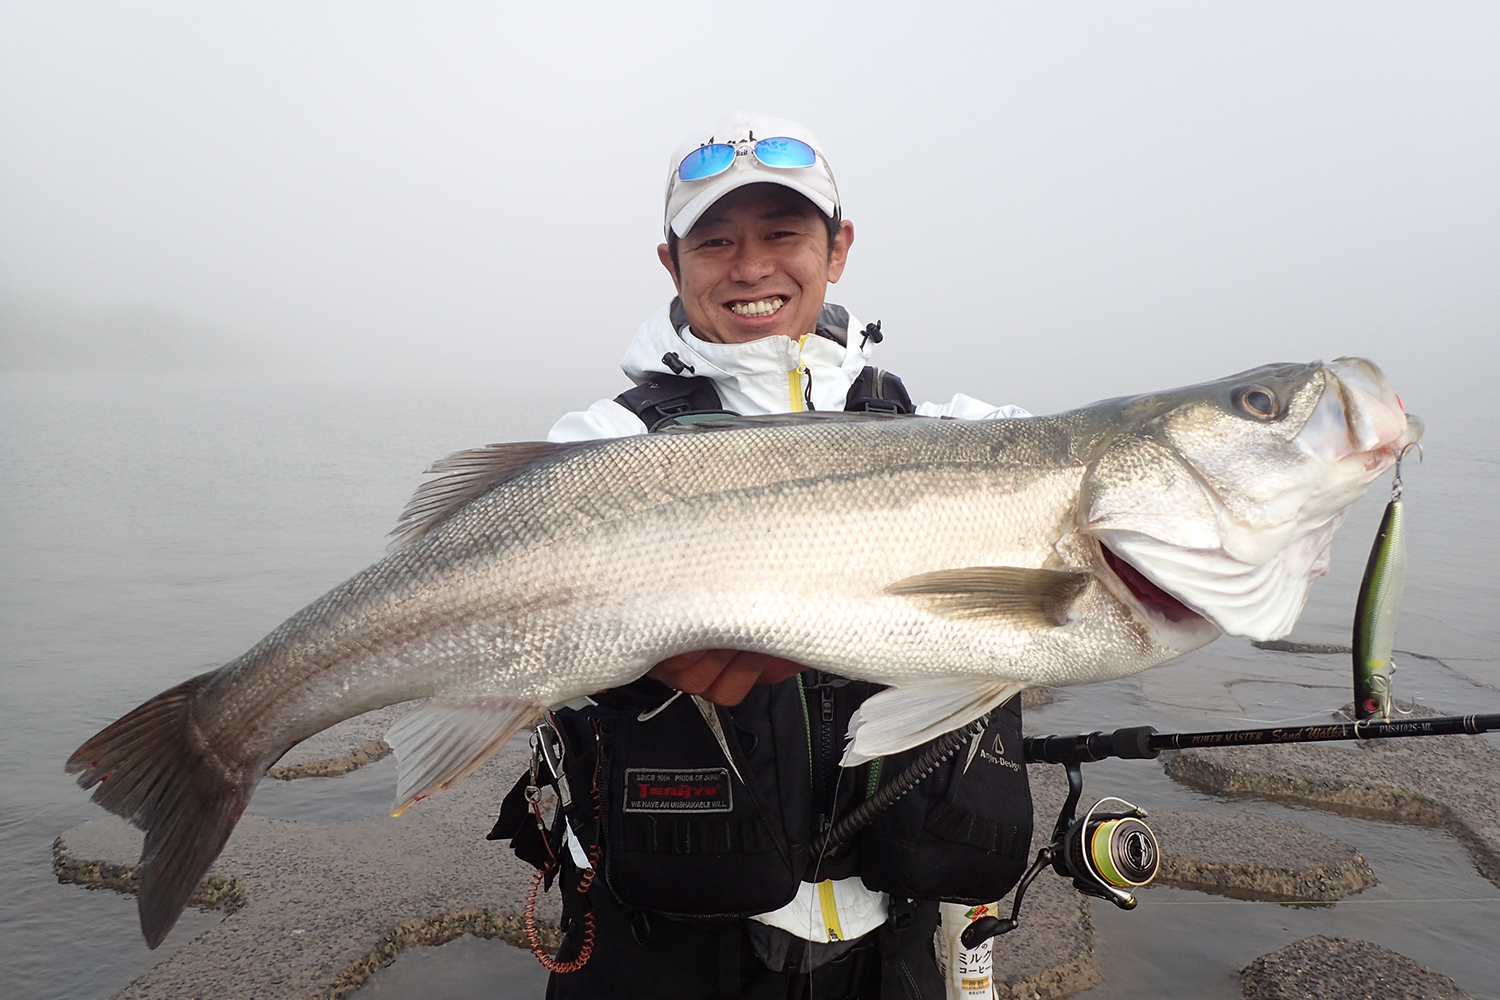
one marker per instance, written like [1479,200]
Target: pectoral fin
[441,742]
[1021,598]
[900,718]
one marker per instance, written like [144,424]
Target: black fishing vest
[677,828]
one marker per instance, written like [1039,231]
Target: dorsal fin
[469,473]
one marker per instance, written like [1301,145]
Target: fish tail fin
[150,771]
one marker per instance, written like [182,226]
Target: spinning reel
[1108,853]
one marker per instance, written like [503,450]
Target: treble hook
[1396,482]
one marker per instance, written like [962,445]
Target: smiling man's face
[757,264]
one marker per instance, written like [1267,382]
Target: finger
[674,665]
[693,673]
[737,678]
[778,670]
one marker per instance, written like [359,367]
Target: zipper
[799,381]
[825,743]
[830,907]
[818,761]
[806,726]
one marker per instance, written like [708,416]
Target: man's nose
[752,262]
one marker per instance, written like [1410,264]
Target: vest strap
[666,400]
[663,398]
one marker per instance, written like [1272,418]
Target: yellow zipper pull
[830,910]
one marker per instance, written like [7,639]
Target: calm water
[156,526]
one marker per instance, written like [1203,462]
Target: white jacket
[770,375]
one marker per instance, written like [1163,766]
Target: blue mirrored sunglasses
[715,158]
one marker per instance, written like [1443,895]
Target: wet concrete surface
[1325,968]
[1053,953]
[1451,782]
[1425,843]
[1256,857]
[312,910]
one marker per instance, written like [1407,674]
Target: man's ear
[838,251]
[664,254]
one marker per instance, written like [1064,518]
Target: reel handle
[984,928]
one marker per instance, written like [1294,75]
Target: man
[685,878]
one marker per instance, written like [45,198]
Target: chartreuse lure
[1377,609]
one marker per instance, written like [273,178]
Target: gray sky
[1052,202]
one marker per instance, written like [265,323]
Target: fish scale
[957,562]
[798,564]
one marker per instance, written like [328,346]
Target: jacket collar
[667,333]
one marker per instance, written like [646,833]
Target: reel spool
[1106,854]
[1109,853]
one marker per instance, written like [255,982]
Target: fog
[1052,203]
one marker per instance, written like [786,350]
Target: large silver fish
[956,561]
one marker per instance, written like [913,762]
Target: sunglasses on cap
[781,152]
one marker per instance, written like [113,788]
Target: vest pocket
[960,835]
[682,832]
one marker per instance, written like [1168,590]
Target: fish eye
[1257,401]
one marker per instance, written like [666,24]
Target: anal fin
[900,718]
[442,742]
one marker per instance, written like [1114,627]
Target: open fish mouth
[1253,600]
[1150,597]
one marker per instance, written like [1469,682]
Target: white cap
[687,200]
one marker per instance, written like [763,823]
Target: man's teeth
[760,307]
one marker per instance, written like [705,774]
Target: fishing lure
[1377,608]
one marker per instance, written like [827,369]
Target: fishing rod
[1144,742]
[1108,853]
